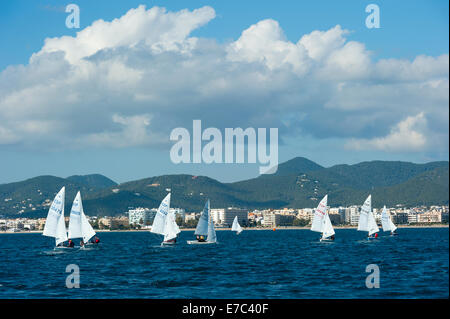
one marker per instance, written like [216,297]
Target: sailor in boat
[81,243]
[95,240]
[173,240]
[373,236]
[69,244]
[332,237]
[394,233]
[200,238]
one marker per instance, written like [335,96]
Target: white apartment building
[225,216]
[141,216]
[354,215]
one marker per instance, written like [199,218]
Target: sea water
[254,264]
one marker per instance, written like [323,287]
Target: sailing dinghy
[205,227]
[79,226]
[387,223]
[165,224]
[367,220]
[236,227]
[55,225]
[321,221]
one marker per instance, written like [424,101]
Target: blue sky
[408,29]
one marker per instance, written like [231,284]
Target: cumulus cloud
[407,135]
[130,81]
[157,28]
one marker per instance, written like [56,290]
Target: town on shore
[141,218]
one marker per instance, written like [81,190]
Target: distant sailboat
[165,224]
[236,227]
[367,220]
[205,227]
[79,226]
[321,221]
[387,223]
[55,226]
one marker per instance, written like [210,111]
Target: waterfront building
[217,215]
[119,221]
[104,222]
[412,217]
[225,216]
[141,216]
[401,218]
[354,215]
[429,217]
[179,212]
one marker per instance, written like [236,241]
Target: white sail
[386,221]
[327,228]
[393,227]
[61,231]
[75,218]
[372,224]
[363,223]
[202,226]
[86,229]
[211,231]
[236,227]
[159,223]
[319,214]
[79,226]
[171,228]
[52,226]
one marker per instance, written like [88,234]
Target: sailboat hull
[195,242]
[64,248]
[168,243]
[327,239]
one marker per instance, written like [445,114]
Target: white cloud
[131,81]
[156,27]
[407,135]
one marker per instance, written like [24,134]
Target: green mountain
[39,191]
[298,183]
[93,181]
[297,165]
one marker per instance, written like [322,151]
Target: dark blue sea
[255,264]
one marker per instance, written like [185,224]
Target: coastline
[229,229]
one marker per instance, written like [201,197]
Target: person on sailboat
[332,237]
[81,243]
[71,244]
[95,240]
[201,238]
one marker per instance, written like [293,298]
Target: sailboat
[367,220]
[205,227]
[79,226]
[387,223]
[236,227]
[55,225]
[165,224]
[321,221]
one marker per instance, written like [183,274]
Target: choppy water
[255,264]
